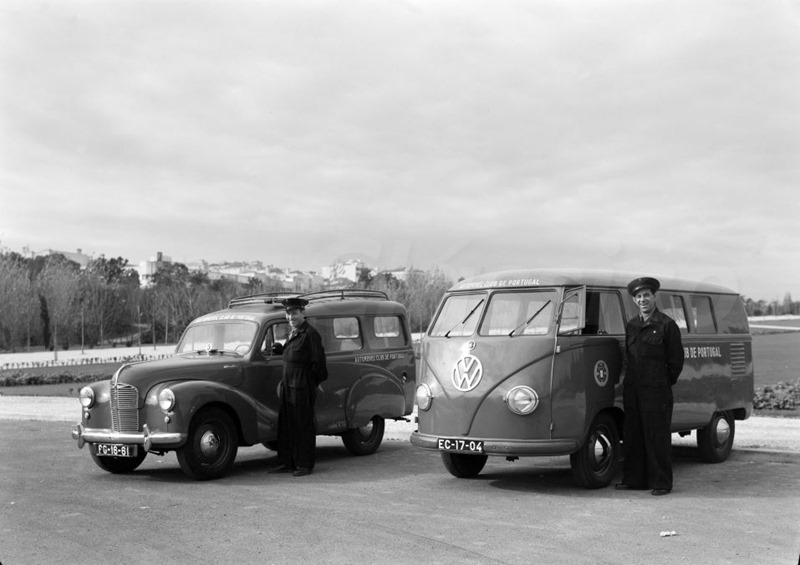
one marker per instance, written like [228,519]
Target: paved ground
[776,435]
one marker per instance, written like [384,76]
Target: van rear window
[702,315]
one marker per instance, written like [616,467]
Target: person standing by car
[654,360]
[304,368]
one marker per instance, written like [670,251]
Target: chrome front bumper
[145,438]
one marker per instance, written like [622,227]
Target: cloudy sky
[653,136]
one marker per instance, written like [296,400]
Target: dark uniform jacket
[304,359]
[654,352]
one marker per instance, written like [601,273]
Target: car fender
[374,394]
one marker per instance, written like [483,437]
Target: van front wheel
[595,463]
[715,441]
[462,465]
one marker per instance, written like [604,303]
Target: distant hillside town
[244,272]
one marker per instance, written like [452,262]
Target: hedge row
[780,396]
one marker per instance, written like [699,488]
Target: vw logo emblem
[601,373]
[467,373]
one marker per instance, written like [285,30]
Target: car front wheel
[211,447]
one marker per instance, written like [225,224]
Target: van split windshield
[528,312]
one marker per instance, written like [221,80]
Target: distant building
[78,256]
[149,268]
[350,270]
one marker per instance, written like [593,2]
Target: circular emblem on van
[467,373]
[601,373]
[470,345]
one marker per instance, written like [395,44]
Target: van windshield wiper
[529,320]
[464,321]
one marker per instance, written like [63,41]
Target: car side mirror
[277,348]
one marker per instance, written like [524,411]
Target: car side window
[276,333]
[339,334]
[389,331]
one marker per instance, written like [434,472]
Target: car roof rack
[346,293]
[261,298]
[275,298]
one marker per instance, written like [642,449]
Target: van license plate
[115,449]
[466,445]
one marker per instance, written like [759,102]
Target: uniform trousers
[647,440]
[297,427]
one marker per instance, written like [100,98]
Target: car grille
[124,408]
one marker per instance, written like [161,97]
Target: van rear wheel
[715,441]
[462,465]
[595,463]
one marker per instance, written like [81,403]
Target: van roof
[530,278]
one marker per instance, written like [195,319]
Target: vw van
[530,363]
[220,389]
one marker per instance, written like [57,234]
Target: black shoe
[660,491]
[281,469]
[301,472]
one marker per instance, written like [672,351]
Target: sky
[656,137]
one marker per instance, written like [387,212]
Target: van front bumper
[507,448]
[147,439]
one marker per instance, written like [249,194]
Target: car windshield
[217,336]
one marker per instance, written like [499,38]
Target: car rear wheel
[595,463]
[118,464]
[463,465]
[211,447]
[366,439]
[715,441]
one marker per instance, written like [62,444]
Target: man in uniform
[654,360]
[304,368]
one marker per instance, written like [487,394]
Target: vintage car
[220,389]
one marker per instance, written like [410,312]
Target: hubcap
[601,449]
[209,444]
[723,431]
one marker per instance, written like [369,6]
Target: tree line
[50,302]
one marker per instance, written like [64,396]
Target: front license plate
[115,449]
[466,445]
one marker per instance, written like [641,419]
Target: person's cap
[643,282]
[294,303]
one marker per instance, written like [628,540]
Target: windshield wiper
[464,321]
[529,320]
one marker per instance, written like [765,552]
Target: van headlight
[522,400]
[424,396]
[86,397]
[166,400]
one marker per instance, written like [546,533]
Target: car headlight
[166,399]
[522,400]
[86,397]
[424,397]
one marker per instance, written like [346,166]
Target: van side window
[389,331]
[702,315]
[672,305]
[603,314]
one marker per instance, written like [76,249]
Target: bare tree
[59,286]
